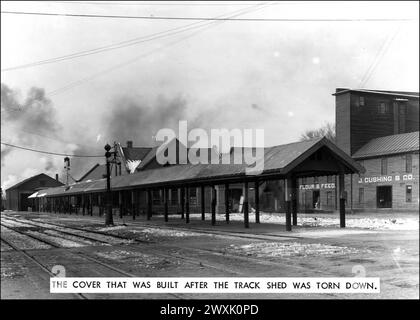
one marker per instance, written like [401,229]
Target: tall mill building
[380,129]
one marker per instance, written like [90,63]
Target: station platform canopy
[317,157]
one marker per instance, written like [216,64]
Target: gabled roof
[155,151]
[33,178]
[135,153]
[149,157]
[382,92]
[398,143]
[97,172]
[278,161]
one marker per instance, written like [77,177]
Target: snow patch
[372,223]
[288,249]
[138,258]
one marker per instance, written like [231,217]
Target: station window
[329,179]
[156,196]
[408,193]
[329,198]
[193,196]
[174,196]
[361,195]
[402,118]
[384,166]
[408,163]
[383,108]
[362,101]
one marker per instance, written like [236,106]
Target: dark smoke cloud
[139,120]
[30,120]
[132,118]
[49,165]
[4,152]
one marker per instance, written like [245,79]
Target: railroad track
[60,229]
[154,252]
[83,256]
[207,251]
[238,234]
[39,264]
[200,250]
[75,228]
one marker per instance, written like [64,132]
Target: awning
[33,195]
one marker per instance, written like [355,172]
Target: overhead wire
[118,45]
[378,57]
[127,62]
[157,3]
[79,15]
[51,153]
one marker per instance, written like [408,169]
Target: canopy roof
[279,161]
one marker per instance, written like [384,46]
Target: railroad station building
[199,188]
[373,165]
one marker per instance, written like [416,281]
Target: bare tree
[328,130]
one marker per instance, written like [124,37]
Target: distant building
[17,195]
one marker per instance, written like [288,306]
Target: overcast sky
[278,76]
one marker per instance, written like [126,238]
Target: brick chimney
[129,144]
[56,176]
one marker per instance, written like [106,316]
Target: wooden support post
[182,195]
[83,204]
[120,203]
[288,194]
[257,201]
[213,205]
[227,202]
[149,204]
[69,204]
[203,203]
[90,205]
[246,207]
[166,196]
[294,200]
[342,193]
[187,204]
[133,204]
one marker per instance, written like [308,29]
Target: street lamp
[108,216]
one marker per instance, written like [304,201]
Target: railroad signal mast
[109,221]
[67,168]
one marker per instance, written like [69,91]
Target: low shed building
[17,195]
